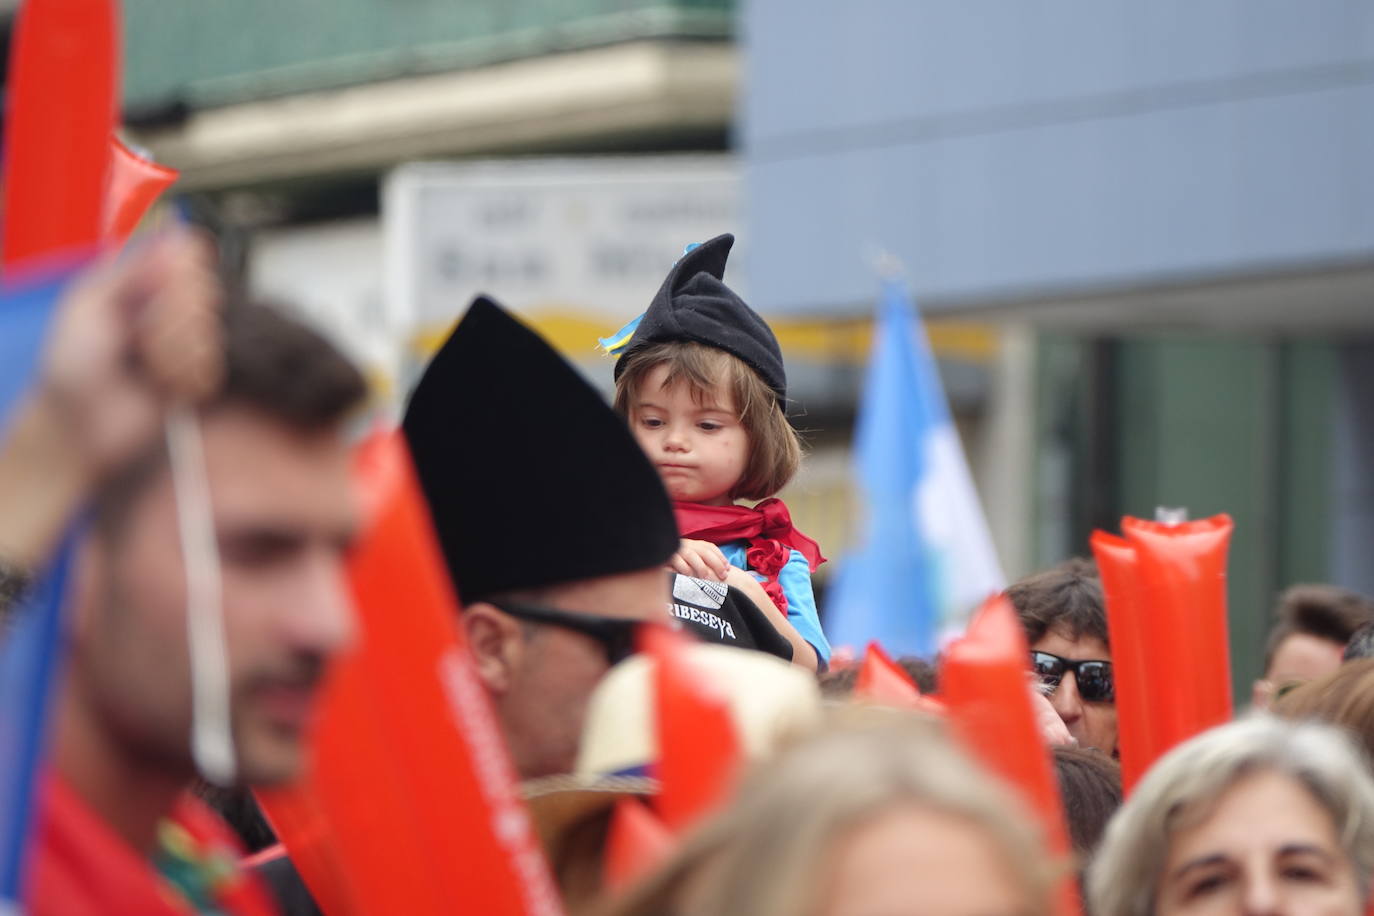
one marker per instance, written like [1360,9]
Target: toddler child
[700,380]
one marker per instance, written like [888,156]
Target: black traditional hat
[695,304]
[530,476]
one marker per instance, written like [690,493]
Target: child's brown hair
[774,446]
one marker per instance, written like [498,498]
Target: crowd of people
[569,526]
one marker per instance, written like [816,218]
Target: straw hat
[769,700]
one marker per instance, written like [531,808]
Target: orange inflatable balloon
[63,90]
[636,844]
[1128,627]
[133,184]
[409,802]
[1183,583]
[699,753]
[985,684]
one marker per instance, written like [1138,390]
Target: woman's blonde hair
[768,854]
[774,446]
[1184,786]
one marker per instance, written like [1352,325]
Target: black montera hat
[694,304]
[531,478]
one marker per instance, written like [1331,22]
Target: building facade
[1174,201]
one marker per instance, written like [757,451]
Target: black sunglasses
[1094,677]
[615,634]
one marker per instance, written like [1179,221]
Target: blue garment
[795,579]
[31,646]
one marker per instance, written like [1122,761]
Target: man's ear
[497,644]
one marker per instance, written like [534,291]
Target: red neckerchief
[768,529]
[80,867]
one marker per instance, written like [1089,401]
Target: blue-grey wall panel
[1004,147]
[1353,489]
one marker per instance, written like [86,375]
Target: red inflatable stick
[699,752]
[61,114]
[1183,586]
[985,684]
[409,802]
[1128,627]
[636,843]
[133,184]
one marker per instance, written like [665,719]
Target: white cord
[212,742]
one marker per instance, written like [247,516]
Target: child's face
[700,450]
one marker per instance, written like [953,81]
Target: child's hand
[701,559]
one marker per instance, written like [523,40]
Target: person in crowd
[877,815]
[1065,619]
[1345,698]
[1258,816]
[1090,789]
[115,821]
[554,527]
[1361,644]
[1313,624]
[700,380]
[770,703]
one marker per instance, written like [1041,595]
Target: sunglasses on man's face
[615,634]
[1094,678]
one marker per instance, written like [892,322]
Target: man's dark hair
[1090,786]
[273,364]
[1067,598]
[1324,611]
[286,369]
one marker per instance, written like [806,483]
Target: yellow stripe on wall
[844,341]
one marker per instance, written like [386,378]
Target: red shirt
[80,867]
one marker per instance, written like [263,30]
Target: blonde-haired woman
[878,816]
[1256,817]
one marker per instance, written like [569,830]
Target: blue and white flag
[925,558]
[30,647]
